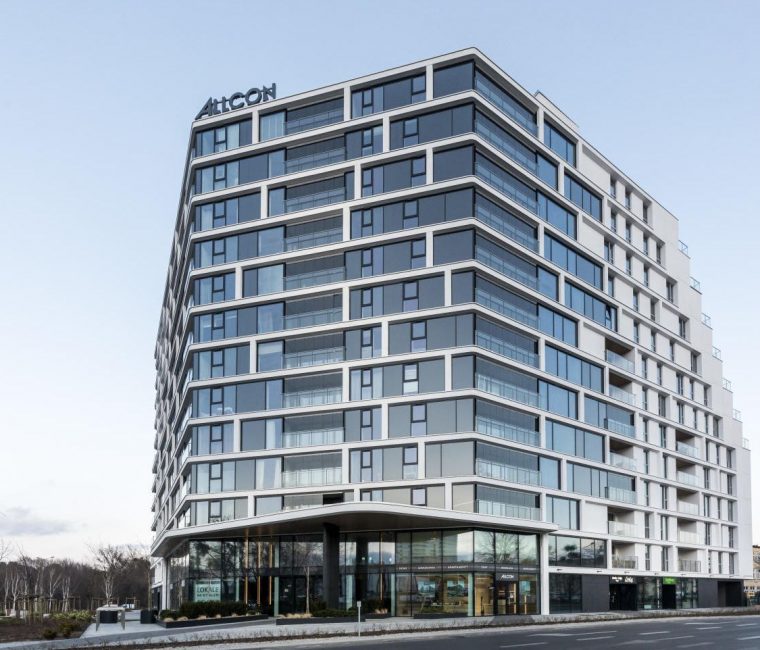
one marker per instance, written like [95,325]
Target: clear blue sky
[96,100]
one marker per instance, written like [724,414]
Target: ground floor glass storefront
[470,572]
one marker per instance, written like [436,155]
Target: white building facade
[423,346]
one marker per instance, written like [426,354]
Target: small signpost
[359,622]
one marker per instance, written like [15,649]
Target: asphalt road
[725,633]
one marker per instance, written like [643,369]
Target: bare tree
[110,561]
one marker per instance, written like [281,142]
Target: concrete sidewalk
[265,630]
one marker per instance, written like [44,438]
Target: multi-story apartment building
[424,346]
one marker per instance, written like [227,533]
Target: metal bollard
[359,608]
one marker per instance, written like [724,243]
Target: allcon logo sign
[237,100]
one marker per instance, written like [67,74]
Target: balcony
[312,438]
[622,529]
[505,390]
[316,397]
[623,462]
[624,562]
[687,508]
[621,395]
[330,116]
[619,361]
[312,239]
[686,537]
[312,477]
[318,159]
[622,428]
[690,566]
[496,429]
[495,177]
[498,509]
[309,319]
[306,358]
[619,494]
[491,134]
[688,479]
[496,96]
[505,349]
[505,309]
[500,472]
[493,261]
[687,449]
[314,278]
[326,197]
[490,215]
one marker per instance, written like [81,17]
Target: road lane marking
[747,638]
[595,638]
[695,645]
[648,633]
[523,645]
[746,624]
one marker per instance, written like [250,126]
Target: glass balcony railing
[687,508]
[624,561]
[624,462]
[499,509]
[492,136]
[501,472]
[687,537]
[491,218]
[622,529]
[315,200]
[688,479]
[505,268]
[493,177]
[496,96]
[621,395]
[496,429]
[312,239]
[687,449]
[619,361]
[620,427]
[309,477]
[690,566]
[311,318]
[505,390]
[320,159]
[303,280]
[314,121]
[620,494]
[316,397]
[505,349]
[307,358]
[505,309]
[312,438]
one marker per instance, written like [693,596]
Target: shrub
[49,633]
[328,612]
[66,629]
[211,608]
[167,614]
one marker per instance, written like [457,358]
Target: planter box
[317,620]
[440,615]
[147,616]
[198,622]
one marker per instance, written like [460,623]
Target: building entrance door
[506,594]
[623,597]
[668,596]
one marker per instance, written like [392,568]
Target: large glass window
[573,441]
[384,97]
[559,143]
[573,369]
[590,306]
[583,197]
[568,259]
[577,552]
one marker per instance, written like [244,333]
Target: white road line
[595,638]
[746,624]
[747,638]
[552,634]
[676,638]
[648,633]
[523,645]
[695,645]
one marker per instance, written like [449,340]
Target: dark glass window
[559,144]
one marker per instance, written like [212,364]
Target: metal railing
[482,214]
[314,121]
[314,476]
[688,479]
[307,358]
[497,97]
[495,429]
[499,509]
[505,309]
[500,472]
[505,349]
[315,160]
[504,146]
[620,361]
[622,529]
[623,429]
[505,268]
[315,397]
[624,462]
[491,177]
